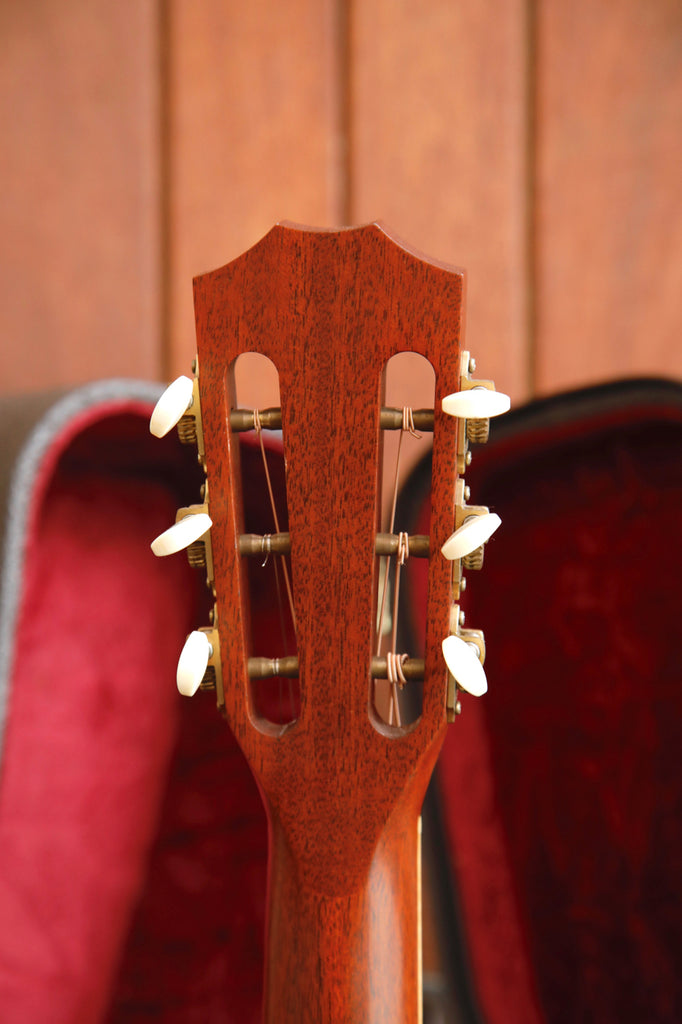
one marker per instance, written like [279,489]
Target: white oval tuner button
[473,532]
[171,407]
[464,664]
[192,663]
[182,534]
[476,404]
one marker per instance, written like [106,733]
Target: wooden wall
[538,144]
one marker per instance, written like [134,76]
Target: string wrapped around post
[394,668]
[408,426]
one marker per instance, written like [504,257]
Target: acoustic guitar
[344,760]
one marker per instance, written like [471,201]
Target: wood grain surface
[79,199]
[342,789]
[609,190]
[253,136]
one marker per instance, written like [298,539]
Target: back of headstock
[342,787]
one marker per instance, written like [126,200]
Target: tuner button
[473,532]
[171,407]
[192,663]
[476,403]
[182,534]
[464,664]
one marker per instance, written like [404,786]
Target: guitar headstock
[330,309]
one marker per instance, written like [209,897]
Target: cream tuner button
[182,534]
[476,403]
[192,663]
[171,407]
[463,662]
[473,532]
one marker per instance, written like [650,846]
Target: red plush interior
[132,837]
[561,789]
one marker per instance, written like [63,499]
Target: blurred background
[537,144]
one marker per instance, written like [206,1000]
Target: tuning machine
[180,406]
[474,525]
[199,664]
[190,532]
[474,404]
[464,653]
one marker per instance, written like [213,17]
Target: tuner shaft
[255,545]
[271,419]
[387,544]
[265,668]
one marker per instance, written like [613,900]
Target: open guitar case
[133,844]
[554,823]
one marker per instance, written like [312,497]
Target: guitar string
[266,549]
[258,427]
[403,552]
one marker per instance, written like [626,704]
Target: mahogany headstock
[330,308]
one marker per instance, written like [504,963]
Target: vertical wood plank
[609,174]
[79,292]
[253,135]
[438,151]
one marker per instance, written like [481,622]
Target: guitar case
[133,844]
[554,822]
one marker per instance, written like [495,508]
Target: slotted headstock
[329,309]
[341,784]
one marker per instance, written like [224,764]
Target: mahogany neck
[349,955]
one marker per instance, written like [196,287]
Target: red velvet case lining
[132,837]
[566,776]
[113,812]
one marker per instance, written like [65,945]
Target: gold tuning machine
[199,665]
[190,430]
[474,525]
[464,652]
[199,551]
[474,404]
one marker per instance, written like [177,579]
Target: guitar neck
[351,951]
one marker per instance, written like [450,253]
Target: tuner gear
[478,431]
[475,559]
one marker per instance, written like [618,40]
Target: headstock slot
[274,698]
[405,435]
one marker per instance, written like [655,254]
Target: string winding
[394,668]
